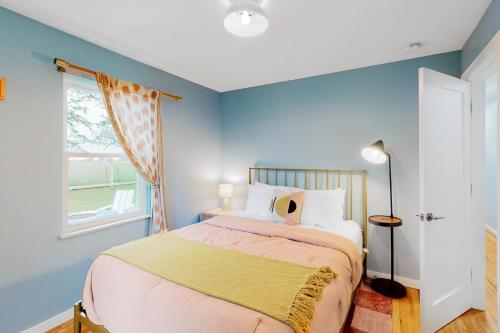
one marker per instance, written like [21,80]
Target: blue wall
[41,275]
[323,122]
[482,34]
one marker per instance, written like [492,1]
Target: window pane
[102,188]
[88,125]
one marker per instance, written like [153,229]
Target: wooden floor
[406,311]
[67,327]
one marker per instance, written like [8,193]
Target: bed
[119,297]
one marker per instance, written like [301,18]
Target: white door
[444,198]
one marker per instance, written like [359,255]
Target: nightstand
[212,213]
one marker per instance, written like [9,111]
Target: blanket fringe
[302,309]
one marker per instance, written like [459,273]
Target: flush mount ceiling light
[246,18]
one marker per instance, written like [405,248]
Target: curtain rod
[64,66]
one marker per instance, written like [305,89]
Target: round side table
[388,287]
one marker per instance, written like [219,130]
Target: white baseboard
[50,323]
[410,283]
[490,229]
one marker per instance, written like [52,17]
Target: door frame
[484,64]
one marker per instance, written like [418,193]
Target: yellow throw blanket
[282,290]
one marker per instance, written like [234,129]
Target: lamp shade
[225,190]
[246,18]
[375,153]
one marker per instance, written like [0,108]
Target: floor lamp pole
[390,181]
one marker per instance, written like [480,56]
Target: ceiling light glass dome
[246,18]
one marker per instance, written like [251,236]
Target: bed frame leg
[80,319]
[77,325]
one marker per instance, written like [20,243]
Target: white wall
[491,151]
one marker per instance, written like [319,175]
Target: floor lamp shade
[376,154]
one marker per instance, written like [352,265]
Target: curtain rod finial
[61,62]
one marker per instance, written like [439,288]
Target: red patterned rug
[372,312]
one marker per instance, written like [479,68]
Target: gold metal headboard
[321,179]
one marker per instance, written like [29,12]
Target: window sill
[70,234]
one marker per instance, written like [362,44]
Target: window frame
[68,229]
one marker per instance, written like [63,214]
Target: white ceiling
[305,38]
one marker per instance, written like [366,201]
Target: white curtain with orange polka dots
[135,113]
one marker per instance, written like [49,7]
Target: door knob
[429,217]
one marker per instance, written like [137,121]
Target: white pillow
[322,207]
[259,200]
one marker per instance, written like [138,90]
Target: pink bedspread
[126,299]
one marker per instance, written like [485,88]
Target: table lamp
[226,192]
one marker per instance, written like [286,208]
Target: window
[101,185]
